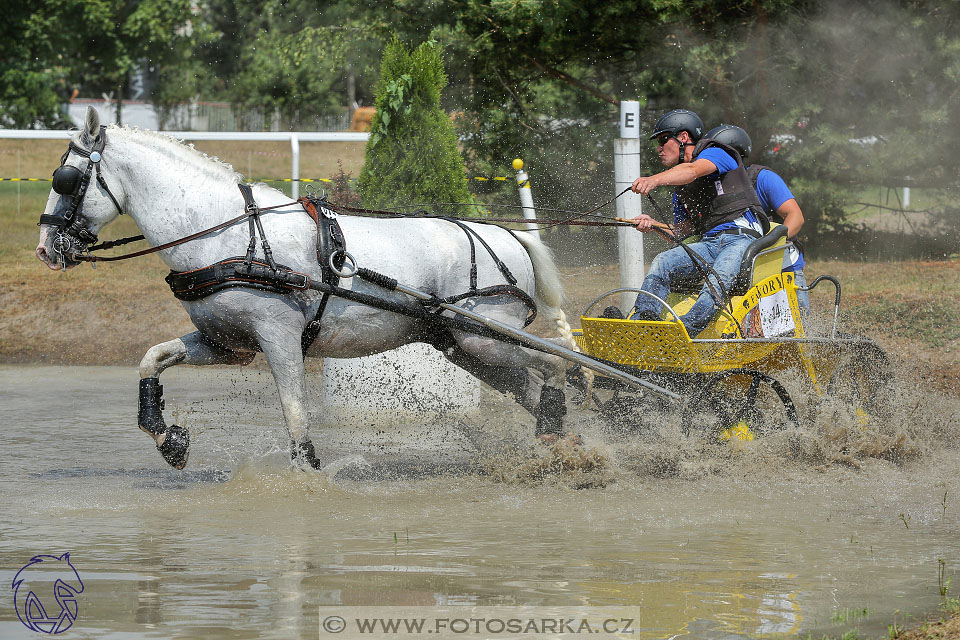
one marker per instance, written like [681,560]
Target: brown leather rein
[174,243]
[610,222]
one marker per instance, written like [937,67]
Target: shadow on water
[353,471]
[145,478]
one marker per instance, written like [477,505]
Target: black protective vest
[714,201]
[753,171]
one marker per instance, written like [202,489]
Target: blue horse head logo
[45,593]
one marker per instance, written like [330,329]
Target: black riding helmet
[673,122]
[732,136]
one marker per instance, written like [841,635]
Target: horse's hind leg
[173,442]
[518,381]
[496,363]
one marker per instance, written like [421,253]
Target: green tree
[53,46]
[32,70]
[412,154]
[849,96]
[296,58]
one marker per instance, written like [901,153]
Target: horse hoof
[550,412]
[304,451]
[174,446]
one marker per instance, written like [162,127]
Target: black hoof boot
[550,412]
[173,442]
[304,451]
[174,446]
[150,416]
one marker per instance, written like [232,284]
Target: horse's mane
[178,149]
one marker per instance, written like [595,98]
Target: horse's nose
[44,257]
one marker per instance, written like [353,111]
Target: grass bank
[944,625]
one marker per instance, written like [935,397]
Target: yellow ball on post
[517,164]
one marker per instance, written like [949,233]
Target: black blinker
[66,180]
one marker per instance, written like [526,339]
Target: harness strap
[504,270]
[330,240]
[199,283]
[253,211]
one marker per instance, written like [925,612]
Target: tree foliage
[412,154]
[53,46]
[836,96]
[847,95]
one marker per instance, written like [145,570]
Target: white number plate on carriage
[776,319]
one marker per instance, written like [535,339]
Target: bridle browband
[72,183]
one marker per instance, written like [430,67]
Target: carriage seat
[773,263]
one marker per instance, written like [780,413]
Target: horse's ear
[92,126]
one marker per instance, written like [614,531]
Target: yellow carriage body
[665,345]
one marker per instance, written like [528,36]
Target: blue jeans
[723,252]
[803,297]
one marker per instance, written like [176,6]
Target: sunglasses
[662,140]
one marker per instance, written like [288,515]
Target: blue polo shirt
[724,163]
[773,192]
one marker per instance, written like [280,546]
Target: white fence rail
[295,138]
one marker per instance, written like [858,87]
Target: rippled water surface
[240,545]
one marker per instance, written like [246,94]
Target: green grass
[846,615]
[934,322]
[914,301]
[951,606]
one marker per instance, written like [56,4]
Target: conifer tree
[412,154]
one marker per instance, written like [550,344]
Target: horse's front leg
[280,342]
[173,442]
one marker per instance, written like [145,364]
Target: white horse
[171,191]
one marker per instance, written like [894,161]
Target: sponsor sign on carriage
[769,314]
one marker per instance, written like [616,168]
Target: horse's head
[74,214]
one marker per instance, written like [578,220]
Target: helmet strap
[683,151]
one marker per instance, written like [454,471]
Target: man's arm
[792,217]
[680,174]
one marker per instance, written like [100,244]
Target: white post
[295,166]
[626,163]
[906,197]
[526,197]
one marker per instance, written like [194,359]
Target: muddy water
[745,543]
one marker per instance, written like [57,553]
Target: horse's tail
[549,286]
[549,291]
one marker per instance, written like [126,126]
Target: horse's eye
[66,180]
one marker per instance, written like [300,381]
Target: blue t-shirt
[724,163]
[773,192]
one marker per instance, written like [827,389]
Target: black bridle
[70,182]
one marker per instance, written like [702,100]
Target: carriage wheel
[859,380]
[739,404]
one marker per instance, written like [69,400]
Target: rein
[606,222]
[699,263]
[174,243]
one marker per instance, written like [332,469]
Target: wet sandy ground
[741,541]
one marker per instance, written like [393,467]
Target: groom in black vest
[714,198]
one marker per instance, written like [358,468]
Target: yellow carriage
[729,373]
